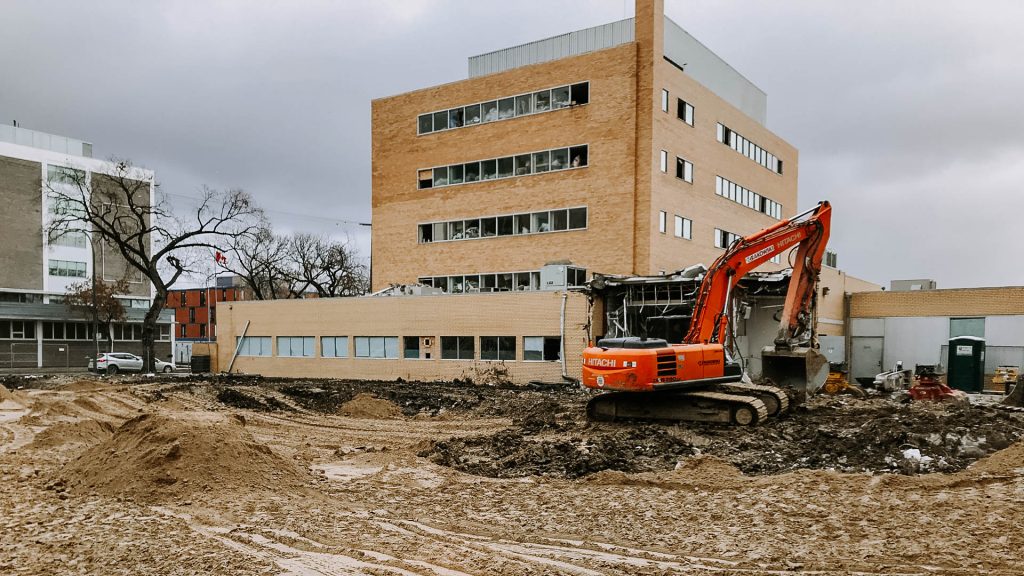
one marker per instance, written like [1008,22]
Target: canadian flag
[220,258]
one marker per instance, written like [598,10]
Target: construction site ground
[181,475]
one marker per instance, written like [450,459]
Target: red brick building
[195,310]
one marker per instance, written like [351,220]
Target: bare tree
[260,258]
[124,216]
[330,268]
[104,306]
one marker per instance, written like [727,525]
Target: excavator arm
[807,231]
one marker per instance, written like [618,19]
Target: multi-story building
[36,328]
[195,309]
[628,148]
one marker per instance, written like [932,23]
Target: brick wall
[951,302]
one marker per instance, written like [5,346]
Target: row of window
[67,268]
[535,348]
[684,168]
[505,167]
[684,111]
[725,239]
[683,226]
[507,225]
[748,198]
[26,330]
[505,108]
[749,149]
[499,282]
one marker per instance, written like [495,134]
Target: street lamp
[370,226]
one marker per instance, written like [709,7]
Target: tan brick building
[486,338]
[629,148]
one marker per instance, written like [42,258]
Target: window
[63,175]
[498,348]
[295,346]
[191,315]
[66,331]
[254,346]
[662,218]
[70,239]
[67,268]
[664,161]
[457,348]
[164,334]
[182,298]
[664,100]
[542,348]
[505,167]
[504,108]
[831,259]
[202,297]
[577,218]
[576,276]
[724,239]
[684,170]
[334,346]
[740,144]
[580,93]
[202,330]
[684,227]
[684,111]
[967,327]
[183,333]
[376,346]
[17,330]
[411,347]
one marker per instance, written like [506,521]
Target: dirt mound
[10,400]
[66,433]
[1009,461]
[156,457]
[511,453]
[369,406]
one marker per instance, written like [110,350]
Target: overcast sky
[907,114]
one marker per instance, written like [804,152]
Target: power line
[282,212]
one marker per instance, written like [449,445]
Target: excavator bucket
[1016,396]
[803,370]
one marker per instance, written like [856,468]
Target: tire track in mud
[328,561]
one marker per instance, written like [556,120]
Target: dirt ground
[252,476]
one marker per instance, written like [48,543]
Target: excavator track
[696,406]
[775,399]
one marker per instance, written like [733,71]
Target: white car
[114,362]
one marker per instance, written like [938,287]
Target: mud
[849,435]
[510,482]
[239,399]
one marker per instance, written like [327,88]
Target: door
[131,362]
[866,358]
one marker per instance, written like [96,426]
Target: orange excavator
[697,380]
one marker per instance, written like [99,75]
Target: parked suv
[114,362]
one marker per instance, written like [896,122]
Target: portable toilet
[966,363]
